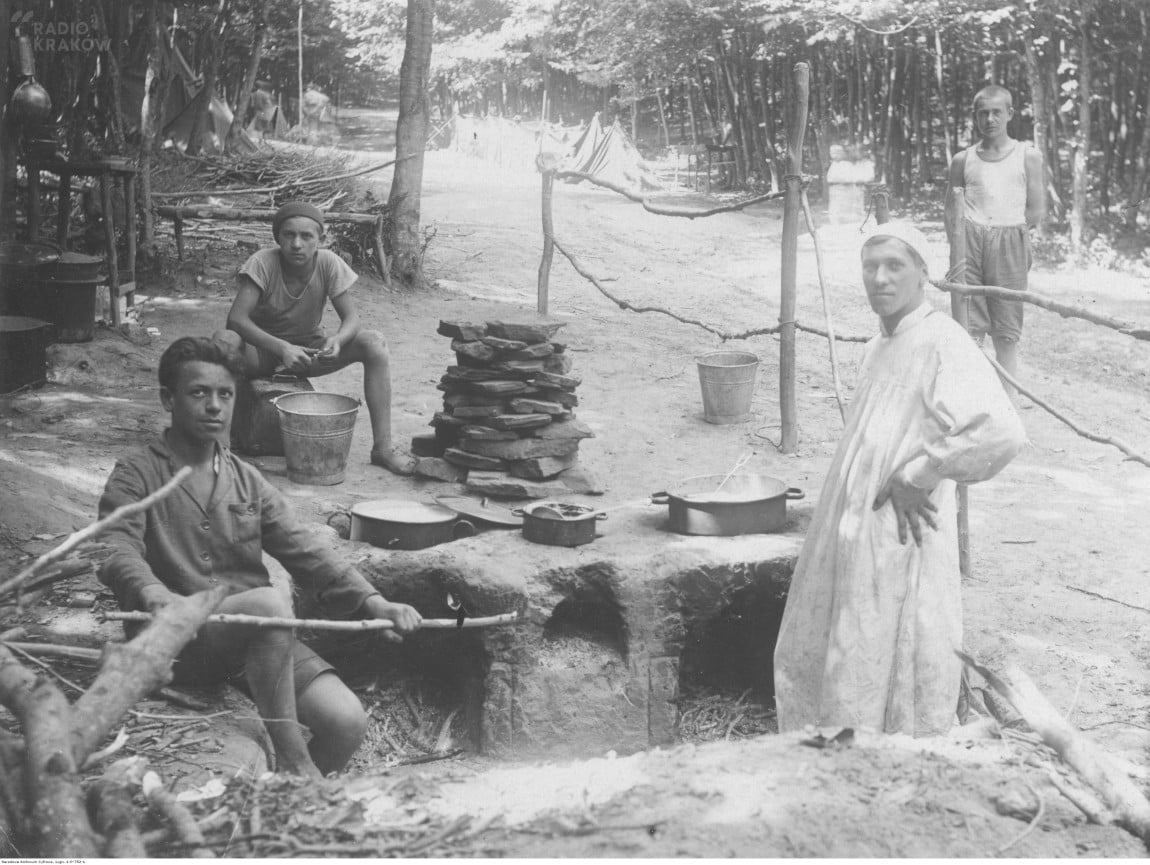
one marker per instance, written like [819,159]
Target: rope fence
[550,173]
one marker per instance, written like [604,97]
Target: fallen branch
[326,624]
[1119,793]
[239,214]
[261,190]
[1084,433]
[182,822]
[54,650]
[58,815]
[1084,801]
[1107,598]
[826,304]
[132,670]
[115,818]
[658,210]
[76,538]
[722,334]
[1063,309]
[1029,826]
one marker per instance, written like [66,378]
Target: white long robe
[870,626]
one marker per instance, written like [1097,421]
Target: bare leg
[1006,353]
[336,718]
[268,668]
[370,349]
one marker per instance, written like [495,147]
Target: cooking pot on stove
[738,504]
[397,524]
[559,524]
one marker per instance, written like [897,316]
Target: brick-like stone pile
[508,427]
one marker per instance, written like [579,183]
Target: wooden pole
[299,58]
[548,243]
[960,309]
[792,213]
[357,625]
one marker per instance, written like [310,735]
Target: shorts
[269,361]
[997,255]
[202,663]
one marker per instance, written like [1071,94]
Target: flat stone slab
[526,333]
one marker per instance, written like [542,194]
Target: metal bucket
[23,351]
[317,429]
[71,306]
[727,379]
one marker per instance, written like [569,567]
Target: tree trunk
[949,144]
[1082,145]
[202,116]
[7,133]
[688,86]
[259,14]
[1110,123]
[151,113]
[1138,188]
[405,239]
[1040,105]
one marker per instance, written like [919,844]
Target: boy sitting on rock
[275,320]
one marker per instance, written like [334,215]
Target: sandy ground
[1067,517]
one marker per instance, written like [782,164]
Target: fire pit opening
[594,619]
[732,650]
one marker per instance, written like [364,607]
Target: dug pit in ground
[608,633]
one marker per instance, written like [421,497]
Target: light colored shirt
[995,192]
[189,546]
[295,316]
[870,626]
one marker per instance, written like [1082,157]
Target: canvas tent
[611,155]
[179,107]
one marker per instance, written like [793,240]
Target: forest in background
[889,80]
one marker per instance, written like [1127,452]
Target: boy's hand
[295,359]
[406,618]
[911,505]
[330,350]
[156,598]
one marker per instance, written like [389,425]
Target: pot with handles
[558,524]
[742,504]
[397,524]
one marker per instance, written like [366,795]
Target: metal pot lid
[738,488]
[481,509]
[28,254]
[559,511]
[18,323]
[78,258]
[403,511]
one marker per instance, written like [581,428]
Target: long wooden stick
[826,306]
[76,538]
[326,624]
[788,284]
[1131,454]
[659,210]
[248,214]
[1141,332]
[544,281]
[960,311]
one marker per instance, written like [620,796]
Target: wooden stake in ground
[826,307]
[545,162]
[960,310]
[792,210]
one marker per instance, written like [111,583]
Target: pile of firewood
[507,426]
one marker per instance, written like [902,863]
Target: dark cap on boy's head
[296,208]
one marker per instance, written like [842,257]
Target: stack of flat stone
[508,427]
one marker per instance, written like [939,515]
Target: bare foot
[304,768]
[394,461]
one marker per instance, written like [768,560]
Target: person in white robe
[874,611]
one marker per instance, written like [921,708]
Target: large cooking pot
[23,351]
[559,524]
[395,524]
[743,504]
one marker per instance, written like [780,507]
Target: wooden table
[107,171]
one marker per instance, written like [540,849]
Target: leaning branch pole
[546,165]
[960,310]
[792,213]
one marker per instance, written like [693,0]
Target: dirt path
[1066,514]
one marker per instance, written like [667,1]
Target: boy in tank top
[1003,186]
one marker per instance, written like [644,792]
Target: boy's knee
[372,343]
[229,339]
[343,718]
[262,601]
